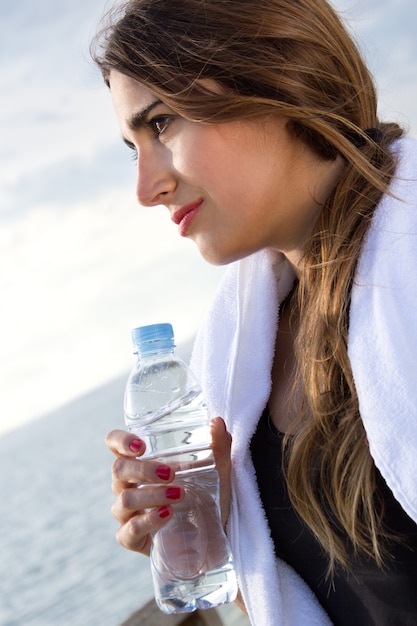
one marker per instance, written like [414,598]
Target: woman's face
[233,188]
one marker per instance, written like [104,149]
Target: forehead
[129,97]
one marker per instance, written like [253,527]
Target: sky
[80,262]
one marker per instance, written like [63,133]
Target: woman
[255,123]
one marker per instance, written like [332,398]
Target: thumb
[221,442]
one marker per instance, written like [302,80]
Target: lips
[183,216]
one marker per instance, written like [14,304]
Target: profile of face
[233,188]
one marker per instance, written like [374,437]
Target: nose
[155,178]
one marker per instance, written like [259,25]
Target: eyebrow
[139,119]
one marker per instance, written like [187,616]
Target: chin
[217,257]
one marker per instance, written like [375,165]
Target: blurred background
[80,264]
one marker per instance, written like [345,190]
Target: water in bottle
[191,560]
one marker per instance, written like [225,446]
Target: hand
[130,472]
[143,510]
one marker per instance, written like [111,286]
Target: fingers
[140,511]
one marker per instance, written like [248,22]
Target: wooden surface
[150,615]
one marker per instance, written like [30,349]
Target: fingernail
[136,445]
[164,511]
[173,493]
[163,472]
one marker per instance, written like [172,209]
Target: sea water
[60,564]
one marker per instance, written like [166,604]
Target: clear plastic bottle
[191,560]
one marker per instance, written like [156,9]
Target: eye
[134,152]
[159,124]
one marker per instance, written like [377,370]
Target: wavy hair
[293,58]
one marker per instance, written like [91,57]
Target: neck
[320,182]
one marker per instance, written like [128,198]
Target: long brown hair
[292,58]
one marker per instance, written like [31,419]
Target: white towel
[383,333]
[233,356]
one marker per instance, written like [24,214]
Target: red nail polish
[136,445]
[163,472]
[173,493]
[163,512]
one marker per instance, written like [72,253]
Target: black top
[367,595]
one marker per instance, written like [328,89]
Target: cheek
[223,158]
[202,164]
[188,157]
[208,150]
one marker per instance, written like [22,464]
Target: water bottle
[191,560]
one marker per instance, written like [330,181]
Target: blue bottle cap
[153,337]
